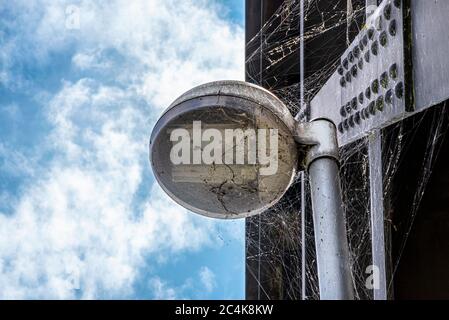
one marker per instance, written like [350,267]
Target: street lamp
[230,149]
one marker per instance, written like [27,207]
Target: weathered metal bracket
[320,137]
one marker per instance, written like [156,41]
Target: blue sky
[81,85]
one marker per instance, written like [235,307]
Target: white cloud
[168,45]
[92,60]
[161,291]
[76,221]
[193,287]
[207,278]
[14,163]
[78,228]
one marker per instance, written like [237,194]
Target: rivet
[366,112]
[387,11]
[389,97]
[357,117]
[340,70]
[348,77]
[351,57]
[375,48]
[351,121]
[361,98]
[393,71]
[367,56]
[354,103]
[392,28]
[375,86]
[371,33]
[361,45]
[340,127]
[348,108]
[372,108]
[383,39]
[360,64]
[365,40]
[380,103]
[384,80]
[368,93]
[354,71]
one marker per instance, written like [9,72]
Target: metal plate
[430,51]
[366,91]
[419,50]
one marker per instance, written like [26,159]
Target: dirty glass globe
[225,150]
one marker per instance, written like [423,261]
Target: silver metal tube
[303,198]
[377,216]
[332,249]
[333,261]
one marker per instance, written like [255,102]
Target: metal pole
[332,250]
[376,201]
[334,270]
[377,215]
[303,198]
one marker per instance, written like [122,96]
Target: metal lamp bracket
[319,139]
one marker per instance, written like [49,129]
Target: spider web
[280,246]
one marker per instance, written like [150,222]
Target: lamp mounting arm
[320,139]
